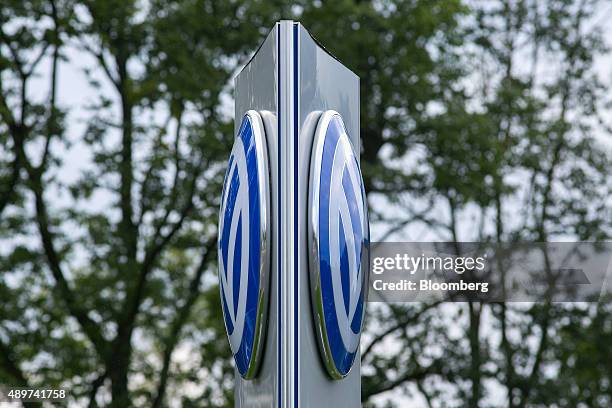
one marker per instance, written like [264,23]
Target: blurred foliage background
[481,121]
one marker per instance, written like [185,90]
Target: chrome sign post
[293,229]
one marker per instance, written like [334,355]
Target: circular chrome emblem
[339,242]
[244,243]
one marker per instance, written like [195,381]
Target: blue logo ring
[244,245]
[339,243]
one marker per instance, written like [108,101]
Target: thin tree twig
[180,320]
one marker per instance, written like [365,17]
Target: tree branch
[10,366]
[52,90]
[90,328]
[426,395]
[95,385]
[144,186]
[417,375]
[36,60]
[175,184]
[413,217]
[179,322]
[134,298]
[102,61]
[159,240]
[399,325]
[7,41]
[5,111]
[8,192]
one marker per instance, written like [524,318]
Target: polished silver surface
[290,81]
[313,240]
[323,84]
[261,323]
[287,142]
[256,89]
[263,183]
[314,271]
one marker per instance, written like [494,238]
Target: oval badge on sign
[244,243]
[339,244]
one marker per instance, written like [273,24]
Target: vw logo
[339,239]
[243,244]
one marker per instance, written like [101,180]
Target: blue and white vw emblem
[244,243]
[339,239]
